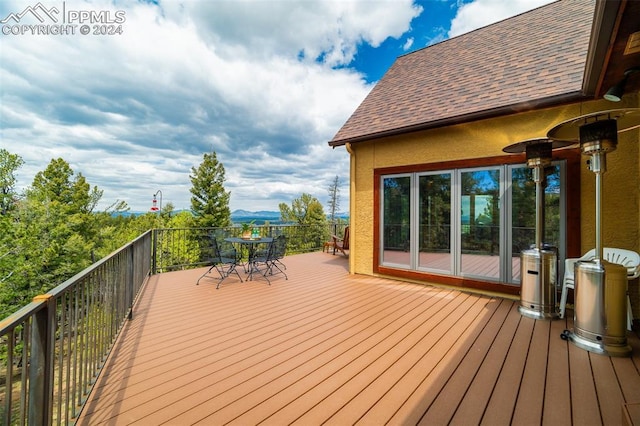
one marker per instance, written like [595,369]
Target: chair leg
[629,314]
[214,266]
[224,273]
[264,274]
[563,299]
[202,276]
[273,265]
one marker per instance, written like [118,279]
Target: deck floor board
[531,397]
[327,347]
[557,395]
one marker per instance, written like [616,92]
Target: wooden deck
[328,347]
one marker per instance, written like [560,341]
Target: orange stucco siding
[485,139]
[620,183]
[619,198]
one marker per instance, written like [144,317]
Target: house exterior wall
[620,193]
[486,139]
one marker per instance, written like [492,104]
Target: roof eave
[460,119]
[604,22]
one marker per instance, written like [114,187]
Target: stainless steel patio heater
[600,309]
[538,264]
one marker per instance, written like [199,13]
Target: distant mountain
[266,214]
[236,215]
[261,213]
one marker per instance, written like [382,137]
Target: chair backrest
[345,240]
[224,252]
[279,246]
[215,250]
[627,258]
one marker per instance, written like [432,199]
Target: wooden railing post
[41,362]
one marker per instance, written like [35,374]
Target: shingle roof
[529,60]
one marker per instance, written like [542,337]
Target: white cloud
[328,29]
[264,83]
[252,80]
[408,44]
[480,13]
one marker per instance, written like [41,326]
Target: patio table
[251,246]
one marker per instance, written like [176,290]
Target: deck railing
[180,248]
[52,350]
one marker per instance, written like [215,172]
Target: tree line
[52,230]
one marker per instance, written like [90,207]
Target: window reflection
[396,220]
[435,222]
[480,223]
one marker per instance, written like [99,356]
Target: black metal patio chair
[280,250]
[224,259]
[266,263]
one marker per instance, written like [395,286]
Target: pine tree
[306,210]
[53,231]
[10,297]
[9,163]
[334,198]
[209,201]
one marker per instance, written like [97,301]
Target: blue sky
[263,83]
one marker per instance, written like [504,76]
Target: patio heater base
[600,313]
[538,289]
[595,346]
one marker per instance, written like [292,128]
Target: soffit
[618,59]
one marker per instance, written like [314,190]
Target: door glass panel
[434,217]
[552,207]
[523,198]
[396,220]
[523,215]
[480,223]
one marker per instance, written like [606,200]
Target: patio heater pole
[600,289]
[598,166]
[538,178]
[538,265]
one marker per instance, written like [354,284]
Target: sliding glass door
[396,222]
[467,222]
[479,223]
[522,195]
[434,222]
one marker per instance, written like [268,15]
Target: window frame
[572,216]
